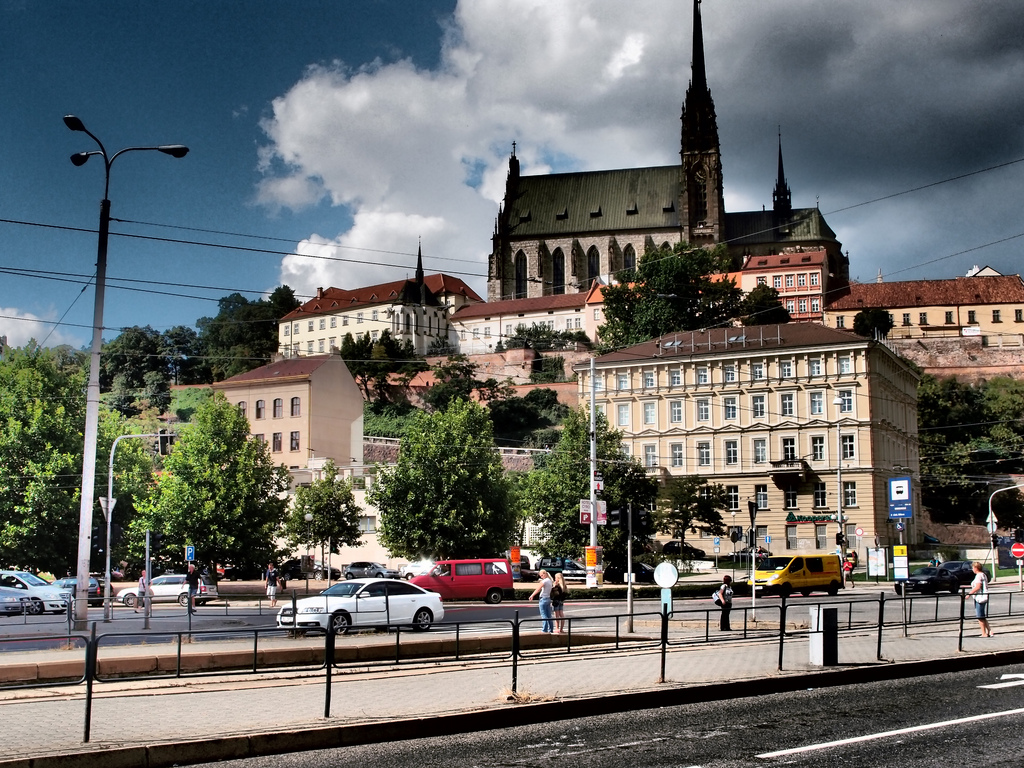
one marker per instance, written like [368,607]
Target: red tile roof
[516,306]
[794,260]
[339,299]
[1004,289]
[291,368]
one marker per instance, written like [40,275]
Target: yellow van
[803,574]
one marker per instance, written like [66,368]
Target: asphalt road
[944,720]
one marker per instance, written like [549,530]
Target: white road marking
[887,734]
[1010,684]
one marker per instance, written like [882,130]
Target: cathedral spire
[419,264]
[782,202]
[699,73]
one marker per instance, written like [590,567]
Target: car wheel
[379,575]
[341,622]
[422,620]
[130,600]
[493,596]
[183,599]
[350,575]
[33,607]
[407,576]
[786,590]
[833,588]
[805,592]
[318,574]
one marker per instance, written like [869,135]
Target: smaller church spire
[419,263]
[782,202]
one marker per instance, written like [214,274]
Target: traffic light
[615,517]
[735,535]
[840,540]
[1018,535]
[995,540]
[751,537]
[98,540]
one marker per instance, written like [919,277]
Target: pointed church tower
[702,202]
[782,202]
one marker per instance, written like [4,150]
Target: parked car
[416,568]
[42,598]
[363,603]
[169,588]
[94,593]
[364,569]
[483,578]
[683,550]
[928,581]
[13,602]
[569,568]
[241,572]
[642,574]
[963,570]
[292,569]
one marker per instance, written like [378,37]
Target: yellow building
[793,417]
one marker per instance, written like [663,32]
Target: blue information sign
[900,498]
[190,553]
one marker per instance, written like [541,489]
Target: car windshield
[925,572]
[774,563]
[31,579]
[343,589]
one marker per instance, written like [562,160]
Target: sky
[328,140]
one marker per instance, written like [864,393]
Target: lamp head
[74,123]
[80,158]
[309,517]
[174,150]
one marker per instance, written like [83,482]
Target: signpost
[900,502]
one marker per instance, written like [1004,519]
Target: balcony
[789,469]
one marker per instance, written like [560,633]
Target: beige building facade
[798,418]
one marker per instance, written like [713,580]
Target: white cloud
[21,327]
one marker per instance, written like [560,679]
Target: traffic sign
[190,553]
[717,541]
[900,498]
[859,532]
[767,539]
[1017,550]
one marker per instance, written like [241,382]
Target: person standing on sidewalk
[725,600]
[140,601]
[979,589]
[848,573]
[271,584]
[544,604]
[558,594]
[192,578]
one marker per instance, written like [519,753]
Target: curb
[164,755]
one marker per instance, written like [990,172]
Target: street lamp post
[840,539]
[92,402]
[309,542]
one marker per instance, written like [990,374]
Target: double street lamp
[92,403]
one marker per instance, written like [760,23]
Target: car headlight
[312,609]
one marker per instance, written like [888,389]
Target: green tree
[456,380]
[447,496]
[335,514]
[690,504]
[550,495]
[671,290]
[762,307]
[183,350]
[872,322]
[220,491]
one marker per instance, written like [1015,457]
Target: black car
[683,550]
[569,568]
[94,592]
[928,581]
[292,569]
[963,570]
[642,574]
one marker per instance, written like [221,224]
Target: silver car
[364,603]
[169,588]
[364,569]
[40,596]
[13,602]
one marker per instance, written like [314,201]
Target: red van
[489,579]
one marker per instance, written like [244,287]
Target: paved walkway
[193,711]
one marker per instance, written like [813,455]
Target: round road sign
[859,532]
[666,575]
[1017,550]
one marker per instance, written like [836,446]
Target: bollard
[782,629]
[664,639]
[824,645]
[515,651]
[90,673]
[329,665]
[881,622]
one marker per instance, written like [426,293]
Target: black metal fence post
[782,629]
[664,640]
[515,651]
[960,639]
[881,622]
[90,675]
[329,667]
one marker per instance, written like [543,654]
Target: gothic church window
[700,197]
[520,276]
[629,258]
[593,265]
[558,272]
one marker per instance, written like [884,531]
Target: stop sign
[1017,550]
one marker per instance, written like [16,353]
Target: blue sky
[351,130]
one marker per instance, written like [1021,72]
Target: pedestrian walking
[271,584]
[723,597]
[848,573]
[559,592]
[979,590]
[140,599]
[192,578]
[544,604]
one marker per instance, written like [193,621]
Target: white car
[416,568]
[168,588]
[41,597]
[360,603]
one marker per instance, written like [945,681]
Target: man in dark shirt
[192,577]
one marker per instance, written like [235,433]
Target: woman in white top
[979,588]
[544,590]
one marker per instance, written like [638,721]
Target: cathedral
[558,233]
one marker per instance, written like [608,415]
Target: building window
[487,331]
[368,524]
[847,444]
[703,410]
[971,317]
[906,318]
[997,316]
[309,346]
[762,280]
[846,401]
[260,409]
[334,322]
[732,452]
[650,455]
[295,329]
[623,415]
[278,407]
[703,376]
[840,321]
[374,315]
[760,450]
[801,280]
[803,306]
[333,342]
[677,454]
[757,406]
[845,365]
[789,281]
[649,379]
[790,306]
[785,369]
[359,318]
[817,448]
[295,407]
[820,496]
[730,408]
[323,323]
[789,448]
[787,405]
[814,278]
[277,442]
[675,411]
[757,371]
[849,494]
[622,381]
[817,403]
[598,384]
[259,438]
[344,320]
[730,373]
[287,330]
[1018,315]
[821,536]
[732,496]
[761,496]
[242,407]
[373,337]
[704,454]
[649,413]
[791,538]
[922,318]
[815,305]
[949,318]
[815,366]
[320,345]
[777,281]
[293,441]
[676,378]
[310,326]
[790,498]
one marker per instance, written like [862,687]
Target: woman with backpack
[723,597]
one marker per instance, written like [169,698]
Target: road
[942,720]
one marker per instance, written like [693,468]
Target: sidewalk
[179,721]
